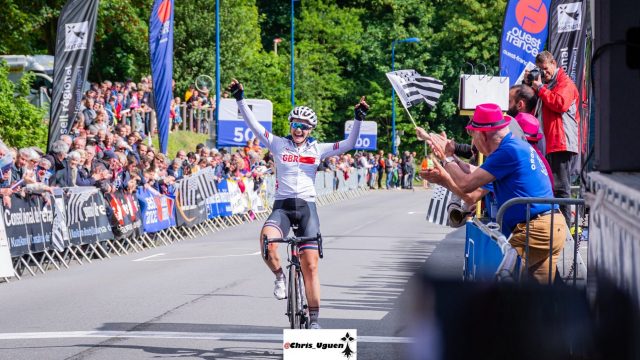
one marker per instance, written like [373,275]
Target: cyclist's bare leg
[274,258]
[309,263]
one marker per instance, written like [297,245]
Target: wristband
[238,93]
[360,113]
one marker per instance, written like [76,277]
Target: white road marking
[148,257]
[178,335]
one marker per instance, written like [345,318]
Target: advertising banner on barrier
[60,237]
[157,210]
[124,215]
[223,199]
[524,35]
[238,201]
[232,130]
[87,216]
[190,201]
[6,266]
[368,139]
[482,255]
[28,224]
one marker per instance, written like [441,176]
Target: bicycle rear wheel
[292,298]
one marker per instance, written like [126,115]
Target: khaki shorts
[537,262]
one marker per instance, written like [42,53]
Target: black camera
[533,75]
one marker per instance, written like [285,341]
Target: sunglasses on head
[301,126]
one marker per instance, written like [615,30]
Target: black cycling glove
[361,112]
[236,91]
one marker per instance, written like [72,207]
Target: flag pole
[410,117]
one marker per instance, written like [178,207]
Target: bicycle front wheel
[292,298]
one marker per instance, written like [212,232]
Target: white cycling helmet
[304,113]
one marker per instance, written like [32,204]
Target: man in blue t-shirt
[516,170]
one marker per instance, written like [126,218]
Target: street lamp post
[393,93]
[214,128]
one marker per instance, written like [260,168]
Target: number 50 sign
[232,130]
[368,139]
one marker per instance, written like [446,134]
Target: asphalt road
[211,297]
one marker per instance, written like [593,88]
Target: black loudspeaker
[616,85]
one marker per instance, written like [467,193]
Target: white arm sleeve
[261,133]
[331,149]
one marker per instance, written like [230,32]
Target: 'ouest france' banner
[523,36]
[74,41]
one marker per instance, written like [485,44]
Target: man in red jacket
[559,97]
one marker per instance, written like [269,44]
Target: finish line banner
[322,344]
[524,35]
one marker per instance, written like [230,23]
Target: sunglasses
[301,126]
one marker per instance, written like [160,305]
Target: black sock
[313,313]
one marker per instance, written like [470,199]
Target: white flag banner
[437,210]
[413,88]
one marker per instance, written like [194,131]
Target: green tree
[21,123]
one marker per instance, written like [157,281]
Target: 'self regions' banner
[567,42]
[74,41]
[524,35]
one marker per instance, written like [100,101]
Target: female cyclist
[297,157]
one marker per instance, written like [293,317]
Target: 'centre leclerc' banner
[524,35]
[74,41]
[232,130]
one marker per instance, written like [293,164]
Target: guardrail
[80,224]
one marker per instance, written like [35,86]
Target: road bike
[296,298]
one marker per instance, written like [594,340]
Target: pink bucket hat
[488,117]
[530,126]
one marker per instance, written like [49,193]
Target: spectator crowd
[109,147]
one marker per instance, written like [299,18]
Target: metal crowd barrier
[103,244]
[577,265]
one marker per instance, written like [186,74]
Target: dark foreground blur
[455,320]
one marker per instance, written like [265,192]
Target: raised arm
[261,133]
[331,149]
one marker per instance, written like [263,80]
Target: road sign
[368,139]
[232,130]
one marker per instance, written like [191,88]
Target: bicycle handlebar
[291,240]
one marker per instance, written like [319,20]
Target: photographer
[559,98]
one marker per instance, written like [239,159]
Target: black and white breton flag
[207,184]
[413,88]
[437,210]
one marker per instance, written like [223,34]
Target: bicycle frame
[296,297]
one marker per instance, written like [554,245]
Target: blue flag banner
[157,210]
[524,35]
[224,200]
[161,49]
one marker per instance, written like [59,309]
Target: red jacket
[560,116]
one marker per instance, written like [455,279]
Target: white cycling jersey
[296,166]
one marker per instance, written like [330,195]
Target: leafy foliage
[342,51]
[21,123]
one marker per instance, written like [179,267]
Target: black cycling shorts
[298,212]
